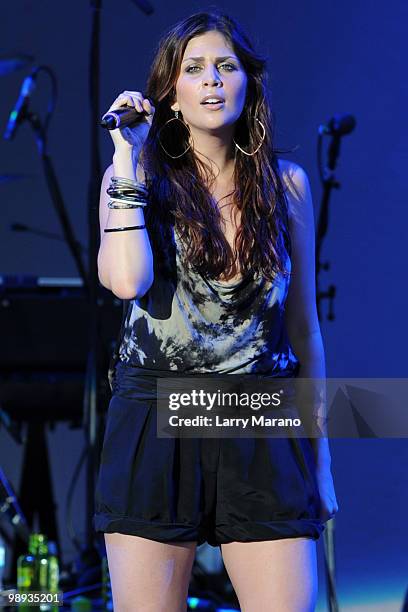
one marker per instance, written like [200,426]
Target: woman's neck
[215,150]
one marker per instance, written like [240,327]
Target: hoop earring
[259,146]
[176,118]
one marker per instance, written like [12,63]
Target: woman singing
[202,227]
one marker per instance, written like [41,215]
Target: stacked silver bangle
[125,194]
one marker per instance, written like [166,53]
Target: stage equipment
[337,127]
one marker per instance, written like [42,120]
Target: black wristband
[122,229]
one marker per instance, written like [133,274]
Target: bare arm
[300,311]
[125,259]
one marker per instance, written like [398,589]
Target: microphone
[122,117]
[20,108]
[339,125]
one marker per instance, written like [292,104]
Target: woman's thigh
[274,575]
[148,576]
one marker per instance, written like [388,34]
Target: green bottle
[42,557]
[32,568]
[53,574]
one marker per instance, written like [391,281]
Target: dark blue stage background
[324,58]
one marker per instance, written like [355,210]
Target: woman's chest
[230,224]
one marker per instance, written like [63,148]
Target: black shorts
[214,490]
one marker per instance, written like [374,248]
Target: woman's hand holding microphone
[126,139]
[119,270]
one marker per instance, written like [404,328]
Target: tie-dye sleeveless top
[190,324]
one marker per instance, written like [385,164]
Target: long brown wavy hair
[178,188]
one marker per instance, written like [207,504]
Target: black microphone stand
[91,396]
[91,390]
[40,131]
[56,195]
[329,182]
[90,287]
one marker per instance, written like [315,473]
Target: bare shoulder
[294,177]
[297,188]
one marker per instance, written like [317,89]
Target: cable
[54,93]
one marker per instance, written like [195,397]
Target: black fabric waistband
[141,383]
